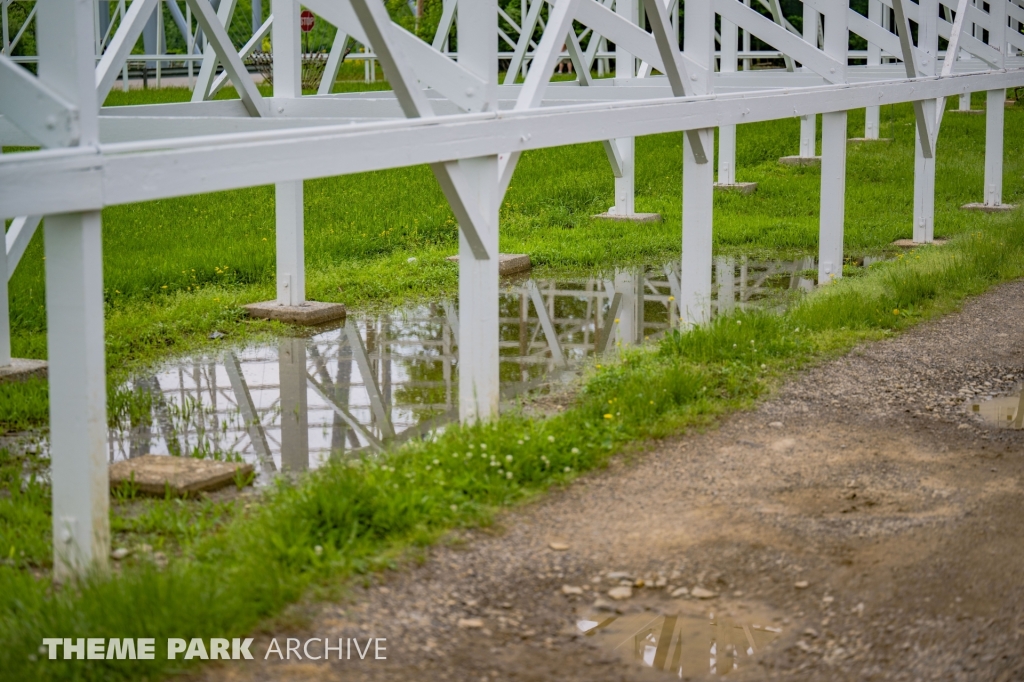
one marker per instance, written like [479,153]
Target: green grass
[233,567]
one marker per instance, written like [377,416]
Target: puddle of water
[1005,411]
[374,381]
[686,644]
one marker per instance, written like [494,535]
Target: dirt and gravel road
[861,524]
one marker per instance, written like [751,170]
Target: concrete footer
[800,160]
[21,370]
[308,313]
[508,263]
[989,208]
[631,217]
[741,187]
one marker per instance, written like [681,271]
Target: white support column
[625,69]
[809,124]
[478,278]
[5,311]
[924,163]
[727,134]
[833,157]
[291,255]
[698,179]
[833,196]
[872,114]
[74,315]
[994,113]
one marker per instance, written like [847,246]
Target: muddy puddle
[1005,412]
[376,380]
[688,642]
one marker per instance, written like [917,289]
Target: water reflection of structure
[682,645]
[381,380]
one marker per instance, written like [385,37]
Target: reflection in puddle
[1005,411]
[683,645]
[379,380]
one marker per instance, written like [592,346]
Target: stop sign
[306,21]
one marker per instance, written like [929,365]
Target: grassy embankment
[232,567]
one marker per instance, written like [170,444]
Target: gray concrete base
[308,313]
[800,160]
[910,243]
[989,209]
[1010,102]
[966,111]
[631,218]
[154,474]
[508,263]
[20,370]
[741,187]
[870,139]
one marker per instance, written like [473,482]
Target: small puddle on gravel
[686,644]
[376,380]
[1006,411]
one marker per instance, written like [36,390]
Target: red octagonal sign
[307,20]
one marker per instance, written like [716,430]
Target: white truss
[455,116]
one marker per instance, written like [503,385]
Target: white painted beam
[122,44]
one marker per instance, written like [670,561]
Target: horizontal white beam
[55,181]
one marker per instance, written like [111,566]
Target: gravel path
[862,511]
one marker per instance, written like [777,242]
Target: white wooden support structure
[625,147]
[833,157]
[478,268]
[74,314]
[452,115]
[809,122]
[288,196]
[698,174]
[872,114]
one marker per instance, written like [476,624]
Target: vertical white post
[924,167]
[746,43]
[291,269]
[833,158]
[291,362]
[809,123]
[727,134]
[74,315]
[698,179]
[478,279]
[833,195]
[190,43]
[625,69]
[5,312]
[872,114]
[994,112]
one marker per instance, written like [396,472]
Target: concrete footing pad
[870,139]
[631,217]
[986,208]
[184,476]
[800,160]
[20,370]
[508,263]
[966,111]
[1010,102]
[741,187]
[308,313]
[910,243]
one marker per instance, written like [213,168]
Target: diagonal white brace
[924,126]
[43,114]
[246,50]
[18,237]
[209,67]
[121,45]
[218,37]
[674,67]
